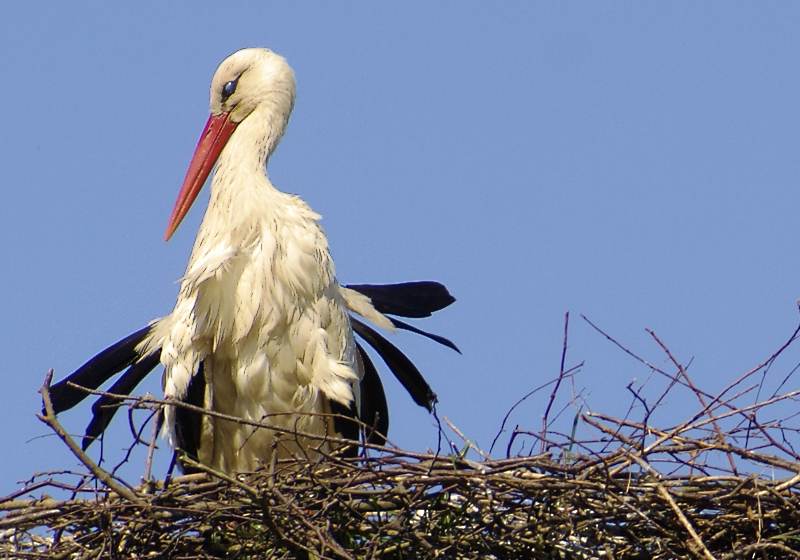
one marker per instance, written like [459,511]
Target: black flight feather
[405,371]
[374,409]
[189,423]
[345,425]
[96,371]
[406,299]
[374,414]
[435,337]
[105,407]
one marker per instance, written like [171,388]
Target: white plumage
[259,304]
[261,329]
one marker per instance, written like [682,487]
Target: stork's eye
[229,88]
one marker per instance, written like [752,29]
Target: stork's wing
[435,337]
[374,412]
[374,409]
[96,371]
[408,299]
[403,368]
[105,407]
[189,423]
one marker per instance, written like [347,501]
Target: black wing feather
[344,424]
[105,407]
[374,409]
[403,368]
[96,371]
[189,423]
[406,299]
[435,337]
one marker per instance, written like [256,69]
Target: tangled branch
[723,483]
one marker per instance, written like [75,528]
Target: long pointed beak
[215,135]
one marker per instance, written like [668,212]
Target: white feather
[259,304]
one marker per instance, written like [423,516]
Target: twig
[49,418]
[664,493]
[558,382]
[525,397]
[148,464]
[683,373]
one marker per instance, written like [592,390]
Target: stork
[261,329]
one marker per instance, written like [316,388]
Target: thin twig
[560,378]
[49,418]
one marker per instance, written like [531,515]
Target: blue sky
[634,162]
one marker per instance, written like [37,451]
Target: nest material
[399,506]
[723,484]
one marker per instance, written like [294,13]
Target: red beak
[214,137]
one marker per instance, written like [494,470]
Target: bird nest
[724,483]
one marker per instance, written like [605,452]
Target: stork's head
[246,81]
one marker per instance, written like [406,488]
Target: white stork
[261,328]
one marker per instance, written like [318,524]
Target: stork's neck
[251,144]
[242,197]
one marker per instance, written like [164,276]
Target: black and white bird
[261,329]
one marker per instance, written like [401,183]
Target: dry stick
[652,367]
[616,343]
[558,382]
[715,400]
[682,371]
[673,378]
[752,421]
[296,546]
[695,423]
[653,488]
[10,501]
[788,483]
[148,401]
[440,433]
[302,517]
[137,438]
[751,550]
[685,427]
[470,444]
[148,465]
[221,475]
[672,504]
[525,397]
[768,437]
[49,418]
[759,367]
[786,379]
[719,396]
[674,435]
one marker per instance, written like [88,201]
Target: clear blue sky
[635,162]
